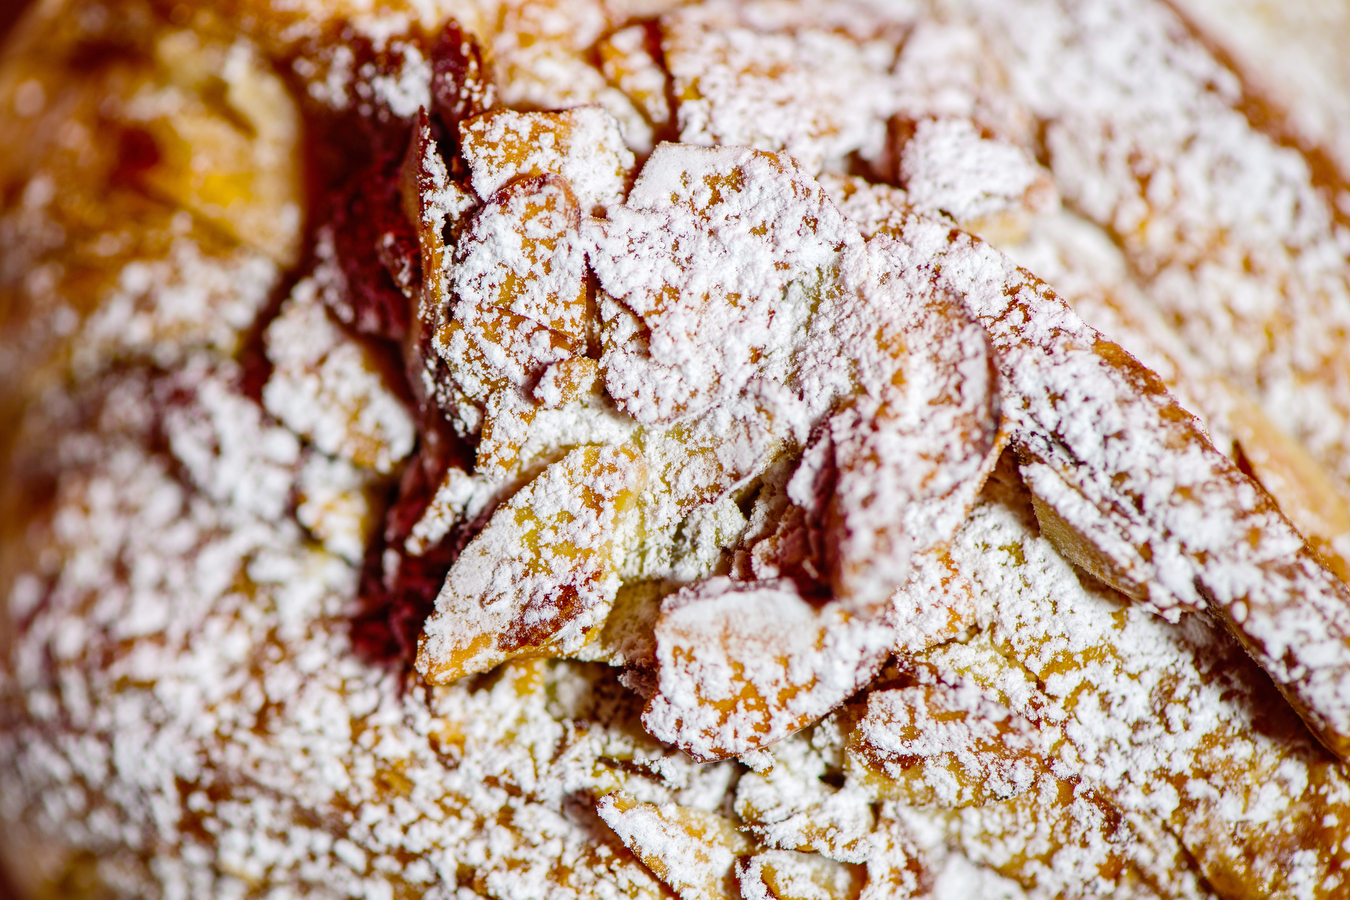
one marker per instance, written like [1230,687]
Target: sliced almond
[582,145]
[519,290]
[1306,492]
[487,348]
[522,253]
[913,451]
[818,95]
[338,504]
[742,665]
[936,605]
[541,576]
[519,432]
[898,868]
[787,875]
[437,207]
[939,745]
[459,497]
[790,807]
[714,265]
[627,61]
[692,851]
[947,167]
[332,389]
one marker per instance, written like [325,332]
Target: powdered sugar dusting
[217,708]
[330,389]
[767,876]
[1158,718]
[969,748]
[691,850]
[582,145]
[191,297]
[1116,457]
[543,572]
[1224,227]
[719,253]
[746,664]
[714,471]
[986,186]
[815,95]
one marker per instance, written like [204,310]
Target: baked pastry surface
[730,450]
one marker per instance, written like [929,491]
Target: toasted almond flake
[522,254]
[1143,721]
[936,605]
[626,60]
[221,696]
[691,851]
[742,665]
[968,746]
[989,187]
[911,454]
[581,145]
[720,255]
[335,501]
[541,576]
[1226,229]
[785,875]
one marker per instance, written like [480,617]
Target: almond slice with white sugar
[541,576]
[691,850]
[744,664]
